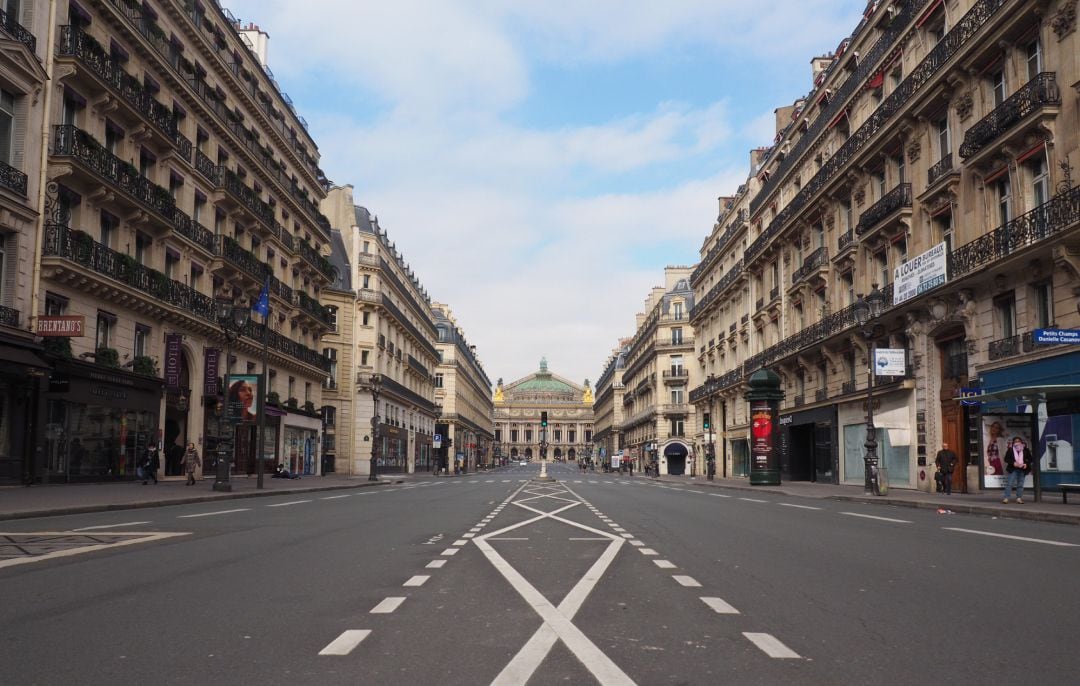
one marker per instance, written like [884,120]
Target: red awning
[840,115]
[928,13]
[876,81]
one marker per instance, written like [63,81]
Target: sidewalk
[23,502]
[1050,509]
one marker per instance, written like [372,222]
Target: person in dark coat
[151,463]
[1018,463]
[945,461]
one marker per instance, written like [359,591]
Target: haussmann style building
[463,396]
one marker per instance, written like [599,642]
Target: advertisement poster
[998,432]
[890,362]
[761,433]
[920,274]
[243,397]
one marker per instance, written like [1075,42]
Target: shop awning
[1047,392]
[21,357]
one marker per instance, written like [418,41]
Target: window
[588,435]
[103,335]
[113,135]
[1034,59]
[55,305]
[498,435]
[1005,315]
[800,322]
[109,229]
[292,387]
[142,340]
[849,364]
[219,222]
[332,312]
[7,126]
[823,375]
[942,134]
[199,207]
[329,415]
[175,184]
[367,247]
[901,169]
[307,392]
[943,230]
[678,311]
[1044,304]
[438,381]
[69,115]
[677,428]
[171,261]
[513,435]
[528,435]
[847,286]
[676,336]
[775,274]
[195,278]
[558,436]
[998,86]
[846,223]
[331,354]
[1003,190]
[364,357]
[676,396]
[1040,181]
[367,281]
[365,318]
[676,365]
[142,246]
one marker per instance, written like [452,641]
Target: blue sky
[539,162]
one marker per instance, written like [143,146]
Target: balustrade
[846,239]
[1032,96]
[18,31]
[12,179]
[9,316]
[940,168]
[1011,346]
[892,201]
[848,387]
[815,260]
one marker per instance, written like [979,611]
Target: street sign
[1051,336]
[890,362]
[436,441]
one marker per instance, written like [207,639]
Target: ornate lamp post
[866,311]
[376,386]
[232,317]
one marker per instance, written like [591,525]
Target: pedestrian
[945,461]
[630,467]
[1018,464]
[150,465]
[191,461]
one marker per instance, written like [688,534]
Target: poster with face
[761,432]
[998,433]
[243,399]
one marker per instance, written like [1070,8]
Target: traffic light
[543,419]
[706,421]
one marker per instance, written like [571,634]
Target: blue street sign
[1051,336]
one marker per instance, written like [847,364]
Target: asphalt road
[501,579]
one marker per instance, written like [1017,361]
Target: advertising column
[764,398]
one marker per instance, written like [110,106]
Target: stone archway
[675,455]
[558,453]
[528,453]
[571,454]
[513,452]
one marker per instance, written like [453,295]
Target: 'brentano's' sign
[71,325]
[918,275]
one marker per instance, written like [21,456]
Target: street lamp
[232,317]
[376,386]
[866,311]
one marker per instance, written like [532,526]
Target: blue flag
[262,305]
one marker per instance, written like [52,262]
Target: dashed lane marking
[387,606]
[770,645]
[801,507]
[461,541]
[436,564]
[648,551]
[335,497]
[719,495]
[637,544]
[720,606]
[688,581]
[418,580]
[1015,538]
[754,500]
[664,564]
[450,551]
[344,644]
[211,514]
[109,526]
[291,502]
[880,519]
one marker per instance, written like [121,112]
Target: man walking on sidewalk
[945,463]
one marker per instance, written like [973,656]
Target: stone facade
[463,394]
[518,408]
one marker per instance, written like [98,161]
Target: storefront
[807,449]
[894,419]
[393,450]
[739,445]
[22,375]
[98,422]
[300,444]
[675,459]
[1039,401]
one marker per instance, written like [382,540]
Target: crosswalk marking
[719,606]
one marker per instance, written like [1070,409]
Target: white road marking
[719,495]
[460,541]
[754,500]
[291,502]
[475,529]
[637,544]
[880,519]
[418,580]
[507,538]
[647,551]
[664,564]
[137,537]
[108,526]
[436,564]
[335,497]
[628,535]
[490,481]
[770,645]
[344,644]
[801,507]
[590,539]
[720,606]
[506,481]
[387,606]
[469,535]
[211,514]
[450,551]
[687,581]
[1015,538]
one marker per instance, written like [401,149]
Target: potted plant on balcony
[272,398]
[107,357]
[309,407]
[293,403]
[58,347]
[145,365]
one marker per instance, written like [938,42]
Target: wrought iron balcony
[846,239]
[1036,94]
[732,327]
[848,387]
[71,141]
[80,248]
[205,166]
[1049,219]
[12,179]
[677,374]
[18,31]
[760,303]
[281,290]
[821,394]
[894,200]
[706,263]
[940,169]
[717,290]
[312,307]
[9,316]
[243,259]
[799,400]
[246,196]
[814,261]
[956,366]
[939,57]
[774,294]
[193,231]
[317,261]
[403,321]
[1011,346]
[74,42]
[743,319]
[286,346]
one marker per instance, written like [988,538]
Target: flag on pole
[262,305]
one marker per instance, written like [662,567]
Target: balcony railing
[815,260]
[956,366]
[74,42]
[940,168]
[403,322]
[846,239]
[205,166]
[12,179]
[676,373]
[246,196]
[848,387]
[799,400]
[317,261]
[821,394]
[313,308]
[231,251]
[193,230]
[774,294]
[79,247]
[706,263]
[9,316]
[892,201]
[18,31]
[1032,96]
[732,327]
[939,56]
[758,304]
[1011,346]
[286,346]
[717,290]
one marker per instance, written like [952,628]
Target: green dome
[542,382]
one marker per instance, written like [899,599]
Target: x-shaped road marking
[558,621]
